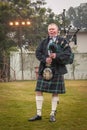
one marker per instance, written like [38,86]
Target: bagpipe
[53,48]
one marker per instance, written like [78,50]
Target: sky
[57,6]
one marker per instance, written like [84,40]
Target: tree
[19,9]
[78,16]
[5,42]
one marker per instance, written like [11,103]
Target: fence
[78,70]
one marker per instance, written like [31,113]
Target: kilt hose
[55,85]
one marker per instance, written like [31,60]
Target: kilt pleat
[55,85]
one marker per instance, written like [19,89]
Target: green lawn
[17,104]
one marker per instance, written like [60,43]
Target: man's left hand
[53,55]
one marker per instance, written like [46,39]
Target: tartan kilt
[55,85]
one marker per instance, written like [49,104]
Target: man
[51,70]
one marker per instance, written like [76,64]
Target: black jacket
[63,54]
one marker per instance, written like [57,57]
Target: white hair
[53,24]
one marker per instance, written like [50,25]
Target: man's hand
[49,60]
[53,55]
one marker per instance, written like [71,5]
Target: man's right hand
[48,60]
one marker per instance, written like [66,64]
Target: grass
[17,104]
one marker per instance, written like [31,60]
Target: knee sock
[39,102]
[55,101]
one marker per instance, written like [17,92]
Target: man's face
[52,30]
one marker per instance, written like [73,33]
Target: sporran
[47,73]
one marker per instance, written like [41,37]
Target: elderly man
[51,53]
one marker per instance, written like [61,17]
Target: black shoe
[52,118]
[37,117]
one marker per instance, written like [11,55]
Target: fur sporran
[47,73]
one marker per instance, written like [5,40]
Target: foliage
[78,16]
[11,37]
